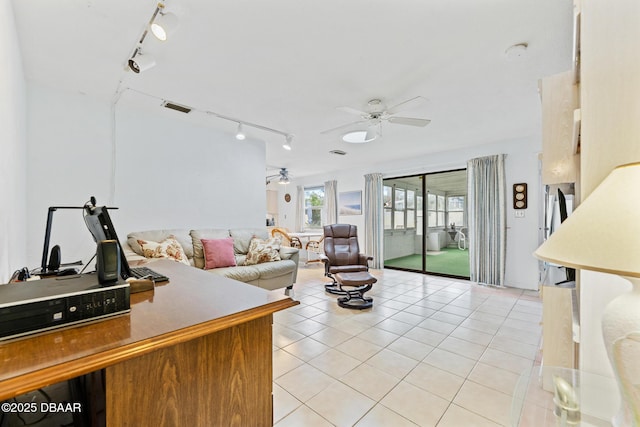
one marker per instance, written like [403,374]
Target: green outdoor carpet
[451,261]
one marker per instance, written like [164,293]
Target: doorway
[425,223]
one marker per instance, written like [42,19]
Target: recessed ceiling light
[357,137]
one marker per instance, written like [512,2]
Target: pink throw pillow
[218,253]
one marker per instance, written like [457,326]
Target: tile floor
[432,351]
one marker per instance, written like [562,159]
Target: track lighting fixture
[287,143]
[162,24]
[240,133]
[162,27]
[242,124]
[139,62]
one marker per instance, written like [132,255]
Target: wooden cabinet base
[557,327]
[221,379]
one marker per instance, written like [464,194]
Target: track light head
[287,144]
[139,62]
[164,25]
[240,133]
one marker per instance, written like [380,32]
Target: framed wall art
[350,203]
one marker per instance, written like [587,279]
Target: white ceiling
[288,65]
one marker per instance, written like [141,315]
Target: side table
[534,404]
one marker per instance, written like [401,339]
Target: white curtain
[331,202]
[300,208]
[373,220]
[487,219]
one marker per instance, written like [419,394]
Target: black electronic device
[570,273]
[41,305]
[99,223]
[54,259]
[108,261]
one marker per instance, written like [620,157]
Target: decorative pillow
[168,248]
[218,253]
[263,251]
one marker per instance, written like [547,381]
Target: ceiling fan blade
[409,121]
[353,111]
[405,105]
[344,126]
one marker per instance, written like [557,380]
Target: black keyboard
[147,273]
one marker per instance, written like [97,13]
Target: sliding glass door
[435,243]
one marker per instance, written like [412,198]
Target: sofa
[271,275]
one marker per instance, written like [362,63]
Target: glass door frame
[424,225]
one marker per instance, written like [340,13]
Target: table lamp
[585,241]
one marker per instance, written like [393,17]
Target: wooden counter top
[194,303]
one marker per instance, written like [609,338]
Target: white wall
[168,173]
[13,142]
[173,174]
[347,181]
[521,166]
[399,243]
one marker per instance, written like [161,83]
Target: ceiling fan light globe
[358,137]
[371,134]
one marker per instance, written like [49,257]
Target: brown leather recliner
[342,253]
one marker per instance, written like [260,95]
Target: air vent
[338,152]
[176,107]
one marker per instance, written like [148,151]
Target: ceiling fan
[377,112]
[283,177]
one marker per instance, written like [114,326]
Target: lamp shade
[603,233]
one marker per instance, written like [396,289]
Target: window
[455,210]
[435,210]
[440,211]
[411,209]
[388,208]
[399,207]
[313,207]
[419,215]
